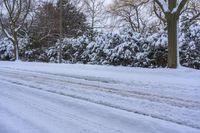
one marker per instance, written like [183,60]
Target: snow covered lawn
[75,98]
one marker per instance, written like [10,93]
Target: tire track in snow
[177,102]
[40,102]
[105,104]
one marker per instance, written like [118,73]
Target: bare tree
[47,28]
[172,10]
[94,10]
[159,14]
[191,13]
[130,11]
[16,12]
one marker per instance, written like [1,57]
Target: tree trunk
[16,50]
[93,20]
[16,46]
[172,36]
[61,31]
[172,43]
[138,19]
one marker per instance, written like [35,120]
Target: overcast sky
[108,1]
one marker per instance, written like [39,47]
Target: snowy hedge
[6,49]
[124,48]
[190,47]
[130,49]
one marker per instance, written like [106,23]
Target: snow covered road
[71,98]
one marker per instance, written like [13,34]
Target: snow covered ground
[60,98]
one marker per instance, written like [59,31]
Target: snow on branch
[18,28]
[165,7]
[176,8]
[163,4]
[179,6]
[8,35]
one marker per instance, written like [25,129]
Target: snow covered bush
[129,49]
[6,49]
[73,49]
[101,50]
[190,47]
[157,49]
[123,48]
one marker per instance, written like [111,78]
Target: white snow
[49,98]
[177,6]
[164,5]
